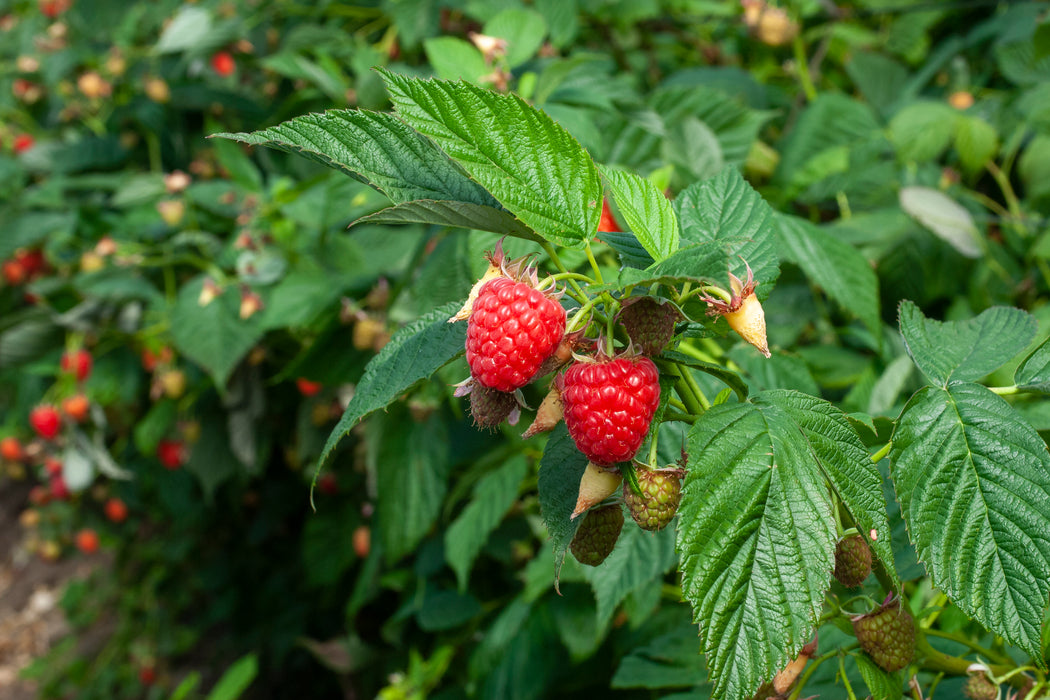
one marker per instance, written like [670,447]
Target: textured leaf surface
[725,210]
[413,353]
[881,684]
[646,210]
[844,462]
[973,480]
[561,468]
[1034,371]
[449,213]
[411,472]
[640,559]
[755,539]
[376,148]
[836,266]
[964,350]
[493,495]
[532,165]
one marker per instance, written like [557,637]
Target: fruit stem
[885,450]
[678,416]
[692,404]
[571,276]
[934,660]
[594,264]
[553,255]
[582,312]
[845,678]
[975,648]
[697,391]
[814,666]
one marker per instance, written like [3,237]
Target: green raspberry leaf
[964,351]
[561,468]
[493,495]
[727,212]
[840,270]
[529,163]
[973,481]
[756,538]
[640,559]
[845,463]
[1033,373]
[415,352]
[648,212]
[375,148]
[448,213]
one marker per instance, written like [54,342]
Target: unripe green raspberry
[649,322]
[852,561]
[887,635]
[597,535]
[656,505]
[979,687]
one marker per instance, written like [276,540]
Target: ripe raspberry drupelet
[513,328]
[609,405]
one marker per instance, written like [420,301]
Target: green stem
[572,276]
[877,457]
[676,403]
[933,660]
[1005,390]
[553,255]
[695,388]
[813,667]
[692,404]
[845,678]
[803,68]
[581,313]
[594,264]
[1012,203]
[975,648]
[681,417]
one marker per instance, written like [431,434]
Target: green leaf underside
[412,465]
[415,352]
[883,685]
[639,559]
[963,351]
[836,266]
[493,495]
[845,463]
[532,165]
[376,148]
[1034,372]
[973,480]
[725,210]
[755,538]
[456,214]
[646,210]
[561,468]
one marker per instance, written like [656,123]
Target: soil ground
[31,619]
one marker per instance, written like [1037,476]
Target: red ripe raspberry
[22,143]
[607,222]
[45,421]
[609,405]
[513,328]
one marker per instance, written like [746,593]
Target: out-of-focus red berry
[11,449]
[22,143]
[222,63]
[116,510]
[171,453]
[45,421]
[78,363]
[87,541]
[307,387]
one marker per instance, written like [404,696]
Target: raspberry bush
[789,319]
